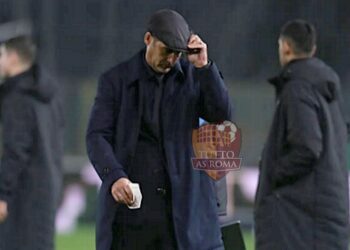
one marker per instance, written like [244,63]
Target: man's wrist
[205,66]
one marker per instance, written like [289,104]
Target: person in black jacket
[302,196]
[32,126]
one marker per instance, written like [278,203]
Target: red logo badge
[217,148]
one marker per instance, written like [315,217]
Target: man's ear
[147,38]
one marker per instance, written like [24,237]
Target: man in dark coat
[302,197]
[140,131]
[30,170]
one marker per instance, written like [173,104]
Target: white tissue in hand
[136,194]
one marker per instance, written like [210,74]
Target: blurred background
[79,39]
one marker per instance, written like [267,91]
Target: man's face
[285,51]
[281,51]
[6,58]
[160,58]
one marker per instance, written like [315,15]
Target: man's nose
[172,58]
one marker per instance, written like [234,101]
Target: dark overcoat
[30,170]
[112,135]
[302,197]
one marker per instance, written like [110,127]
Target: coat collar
[139,70]
[19,79]
[286,74]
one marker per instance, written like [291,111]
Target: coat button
[106,170]
[161,191]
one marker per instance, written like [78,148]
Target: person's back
[30,170]
[302,198]
[325,188]
[331,177]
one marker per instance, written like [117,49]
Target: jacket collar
[21,81]
[287,73]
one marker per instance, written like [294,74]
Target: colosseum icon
[217,148]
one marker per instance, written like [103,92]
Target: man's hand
[201,59]
[121,191]
[3,211]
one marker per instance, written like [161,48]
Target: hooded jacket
[30,170]
[302,197]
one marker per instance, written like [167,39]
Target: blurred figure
[74,201]
[302,196]
[32,123]
[140,131]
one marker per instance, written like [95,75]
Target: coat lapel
[135,93]
[173,87]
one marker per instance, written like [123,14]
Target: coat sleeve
[214,101]
[303,135]
[100,133]
[18,141]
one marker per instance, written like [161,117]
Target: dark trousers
[149,236]
[145,229]
[150,227]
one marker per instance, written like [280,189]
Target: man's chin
[167,70]
[163,70]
